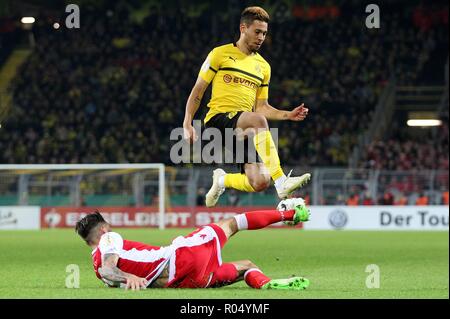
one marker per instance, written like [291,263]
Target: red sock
[255,278]
[224,275]
[262,218]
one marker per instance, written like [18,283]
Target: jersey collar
[235,45]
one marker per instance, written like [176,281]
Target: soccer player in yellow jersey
[240,89]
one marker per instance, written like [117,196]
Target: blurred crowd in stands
[404,153]
[112,91]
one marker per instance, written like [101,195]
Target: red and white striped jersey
[134,257]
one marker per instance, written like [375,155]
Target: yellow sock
[265,146]
[238,181]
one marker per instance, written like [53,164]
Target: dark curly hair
[87,224]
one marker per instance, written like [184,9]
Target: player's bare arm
[192,106]
[112,273]
[297,114]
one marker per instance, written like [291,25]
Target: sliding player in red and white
[193,261]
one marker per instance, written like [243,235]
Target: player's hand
[299,113]
[189,133]
[136,283]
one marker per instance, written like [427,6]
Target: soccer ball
[290,203]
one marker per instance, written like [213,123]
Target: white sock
[241,221]
[279,181]
[222,181]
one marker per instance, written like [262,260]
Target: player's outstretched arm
[192,106]
[297,114]
[115,276]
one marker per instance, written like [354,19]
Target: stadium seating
[114,96]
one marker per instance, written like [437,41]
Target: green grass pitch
[412,264]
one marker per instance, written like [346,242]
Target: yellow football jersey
[237,79]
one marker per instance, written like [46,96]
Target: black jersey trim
[215,71]
[243,72]
[264,85]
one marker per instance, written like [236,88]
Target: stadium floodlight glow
[423,122]
[27,20]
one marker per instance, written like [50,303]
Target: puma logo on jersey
[232,58]
[230,115]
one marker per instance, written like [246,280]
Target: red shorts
[197,256]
